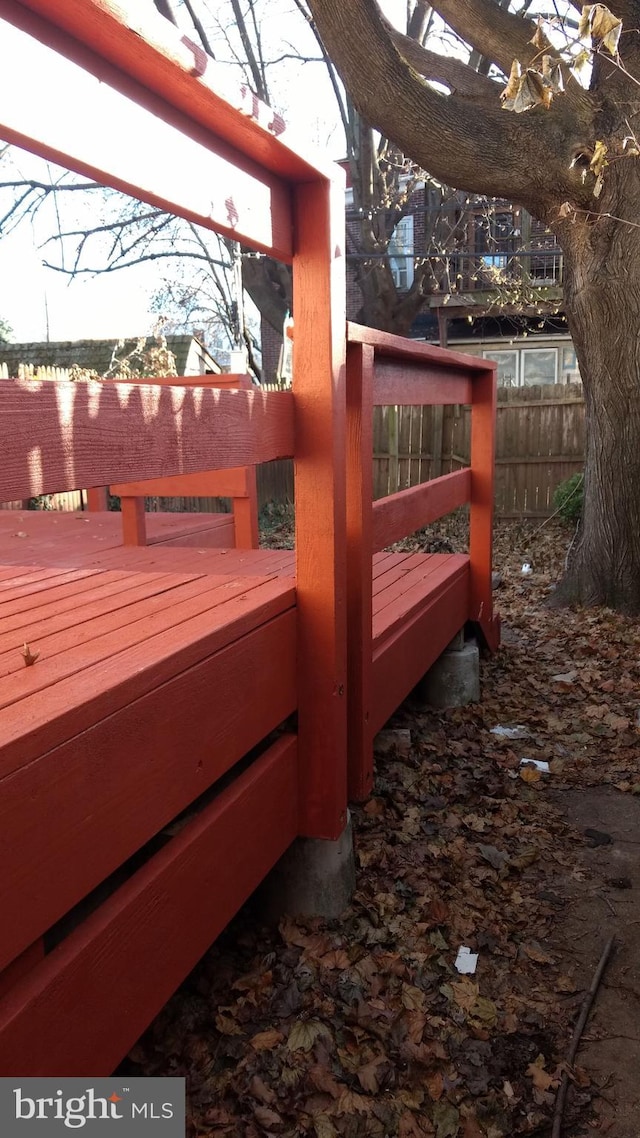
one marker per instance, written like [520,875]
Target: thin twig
[577,1035]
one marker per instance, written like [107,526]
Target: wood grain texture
[73,816]
[400,347]
[399,515]
[92,997]
[59,436]
[483,426]
[91,681]
[401,660]
[360,363]
[411,382]
[320,489]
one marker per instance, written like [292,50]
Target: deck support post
[314,878]
[454,679]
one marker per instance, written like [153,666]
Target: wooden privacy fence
[539,443]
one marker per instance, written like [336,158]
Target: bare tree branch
[257,72]
[462,143]
[443,68]
[496,33]
[197,23]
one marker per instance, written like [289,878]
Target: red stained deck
[152,769]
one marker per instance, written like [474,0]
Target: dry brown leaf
[304,1033]
[267,1118]
[542,1080]
[259,1089]
[605,27]
[530,774]
[535,952]
[511,89]
[266,1040]
[29,656]
[435,1085]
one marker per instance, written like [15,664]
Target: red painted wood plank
[409,383]
[320,486]
[359,569]
[111,632]
[405,657]
[57,634]
[233,483]
[483,423]
[401,514]
[399,565]
[416,593]
[166,61]
[89,1001]
[420,570]
[24,597]
[87,434]
[120,588]
[20,966]
[33,724]
[400,347]
[68,820]
[209,181]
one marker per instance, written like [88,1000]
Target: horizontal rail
[403,383]
[232,483]
[207,180]
[401,348]
[409,510]
[141,43]
[61,436]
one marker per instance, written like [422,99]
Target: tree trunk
[602,304]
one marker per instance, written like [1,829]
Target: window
[539,365]
[401,254]
[507,367]
[570,369]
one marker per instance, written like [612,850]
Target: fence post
[483,419]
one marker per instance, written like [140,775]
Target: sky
[39,303]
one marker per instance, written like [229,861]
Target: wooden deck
[174,713]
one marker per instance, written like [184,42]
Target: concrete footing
[314,878]
[454,679]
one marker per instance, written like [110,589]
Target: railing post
[360,359]
[320,505]
[483,419]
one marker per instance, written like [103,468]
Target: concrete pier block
[454,679]
[313,878]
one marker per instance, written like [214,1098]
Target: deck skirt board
[72,815]
[144,921]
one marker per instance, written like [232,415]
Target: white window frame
[493,355]
[531,352]
[401,250]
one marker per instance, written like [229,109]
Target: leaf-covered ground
[363,1026]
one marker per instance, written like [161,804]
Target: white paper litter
[537,763]
[466,961]
[517,732]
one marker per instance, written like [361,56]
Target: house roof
[97,355]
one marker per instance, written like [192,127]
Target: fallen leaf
[304,1033]
[266,1040]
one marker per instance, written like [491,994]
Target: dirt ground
[364,1026]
